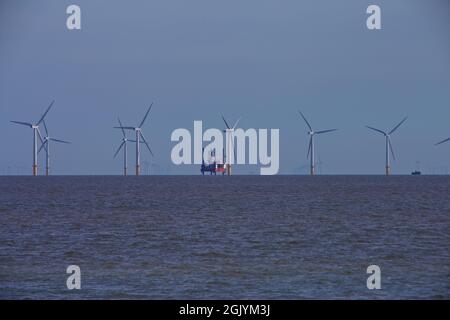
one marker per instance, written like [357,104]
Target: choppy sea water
[249,237]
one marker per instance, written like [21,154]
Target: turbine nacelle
[230,129]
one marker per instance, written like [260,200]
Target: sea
[225,237]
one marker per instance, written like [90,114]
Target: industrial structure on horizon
[213,165]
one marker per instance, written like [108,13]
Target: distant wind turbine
[36,134]
[125,150]
[46,145]
[311,149]
[139,136]
[443,141]
[230,149]
[387,136]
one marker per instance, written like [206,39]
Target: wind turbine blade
[443,141]
[120,147]
[237,122]
[397,126]
[121,127]
[145,141]
[325,131]
[40,138]
[45,113]
[126,128]
[61,141]
[145,117]
[304,118]
[131,140]
[226,123]
[392,149]
[378,130]
[309,148]
[45,127]
[42,146]
[23,123]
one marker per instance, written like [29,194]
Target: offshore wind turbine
[36,134]
[46,145]
[311,148]
[389,147]
[139,136]
[443,141]
[230,149]
[123,145]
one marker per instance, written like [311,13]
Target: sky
[261,60]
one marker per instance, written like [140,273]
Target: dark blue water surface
[208,237]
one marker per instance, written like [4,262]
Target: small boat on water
[417,172]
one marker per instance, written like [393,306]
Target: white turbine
[36,134]
[311,148]
[125,149]
[46,145]
[387,136]
[230,149]
[139,136]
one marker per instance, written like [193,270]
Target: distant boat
[417,172]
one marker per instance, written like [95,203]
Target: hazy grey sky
[196,59]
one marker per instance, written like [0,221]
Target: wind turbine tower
[230,149]
[387,136]
[311,149]
[36,135]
